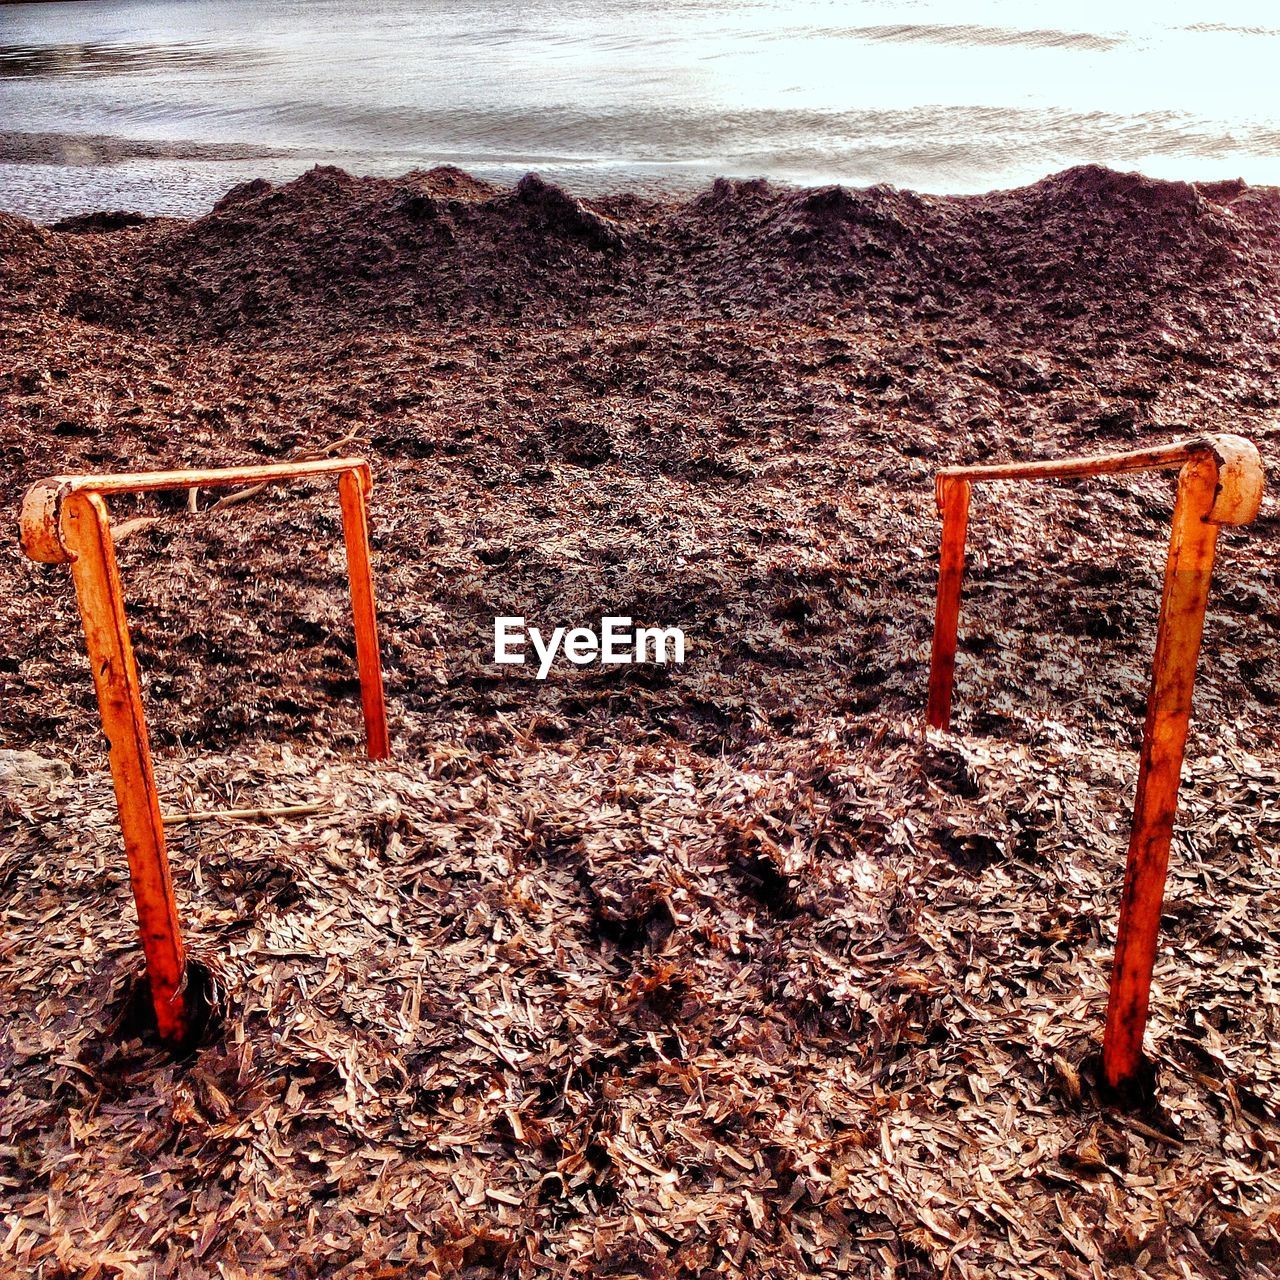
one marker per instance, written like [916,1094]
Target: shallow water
[160,105]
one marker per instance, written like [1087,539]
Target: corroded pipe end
[41,521]
[1238,495]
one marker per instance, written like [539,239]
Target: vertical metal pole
[86,534]
[953,502]
[353,488]
[1186,592]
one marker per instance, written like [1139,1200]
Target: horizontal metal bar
[211,478]
[1239,469]
[1169,457]
[42,506]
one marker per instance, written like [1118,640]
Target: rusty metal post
[86,536]
[1186,593]
[953,504]
[353,490]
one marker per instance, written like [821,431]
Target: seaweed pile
[722,969]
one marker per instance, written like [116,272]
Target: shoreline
[87,154]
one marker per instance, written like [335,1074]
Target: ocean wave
[968,35]
[1224,28]
[53,61]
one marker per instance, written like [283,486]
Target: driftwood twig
[240,815]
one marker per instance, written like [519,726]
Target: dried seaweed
[724,969]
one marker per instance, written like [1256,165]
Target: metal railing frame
[1220,481]
[65,520]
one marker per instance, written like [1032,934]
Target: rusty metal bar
[201,478]
[65,519]
[86,533]
[353,489]
[953,502]
[1165,457]
[1182,606]
[1219,483]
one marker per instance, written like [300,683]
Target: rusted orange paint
[953,504]
[353,489]
[86,535]
[41,537]
[1220,482]
[65,519]
[1186,593]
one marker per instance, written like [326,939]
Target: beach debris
[721,970]
[26,771]
[541,969]
[257,814]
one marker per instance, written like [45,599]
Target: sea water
[161,105]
